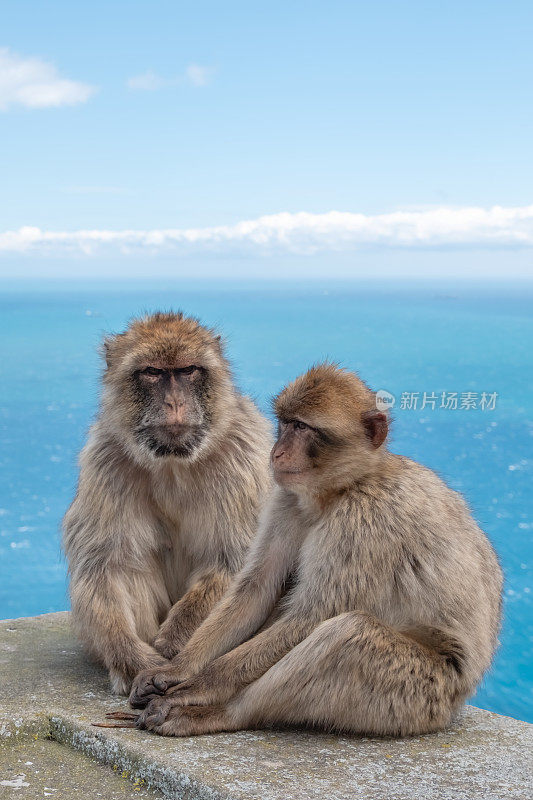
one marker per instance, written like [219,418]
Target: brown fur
[146,536]
[394,615]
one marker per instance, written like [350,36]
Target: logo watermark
[384,400]
[450,401]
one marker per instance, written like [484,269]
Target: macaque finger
[189,696]
[144,689]
[177,689]
[160,682]
[154,714]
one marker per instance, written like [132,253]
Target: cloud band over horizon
[297,233]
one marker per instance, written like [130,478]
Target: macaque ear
[108,349]
[113,348]
[376,426]
[219,343]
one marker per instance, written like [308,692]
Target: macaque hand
[192,692]
[165,718]
[196,691]
[151,683]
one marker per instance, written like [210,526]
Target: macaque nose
[173,403]
[175,407]
[278,452]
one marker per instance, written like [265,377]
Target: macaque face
[304,456]
[294,455]
[330,432]
[172,402]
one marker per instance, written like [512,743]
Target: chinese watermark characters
[450,401]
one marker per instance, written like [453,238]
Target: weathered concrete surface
[44,768]
[49,691]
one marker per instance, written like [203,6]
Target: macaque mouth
[171,440]
[174,429]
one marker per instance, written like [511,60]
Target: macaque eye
[299,425]
[152,371]
[188,370]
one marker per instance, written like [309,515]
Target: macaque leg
[352,673]
[104,608]
[190,610]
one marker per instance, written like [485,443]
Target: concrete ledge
[50,694]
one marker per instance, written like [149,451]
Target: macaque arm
[247,662]
[228,671]
[190,610]
[103,613]
[247,604]
[227,675]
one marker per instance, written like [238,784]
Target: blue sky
[162,127]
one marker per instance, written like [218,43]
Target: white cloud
[197,75]
[300,233]
[33,83]
[150,81]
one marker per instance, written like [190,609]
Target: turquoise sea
[407,340]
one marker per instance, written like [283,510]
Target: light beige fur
[386,594]
[146,536]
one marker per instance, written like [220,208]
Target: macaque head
[167,385]
[330,432]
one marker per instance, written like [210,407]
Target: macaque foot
[152,683]
[166,719]
[158,707]
[155,712]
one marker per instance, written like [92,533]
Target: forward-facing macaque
[172,479]
[393,605]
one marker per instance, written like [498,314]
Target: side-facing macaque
[172,479]
[369,602]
